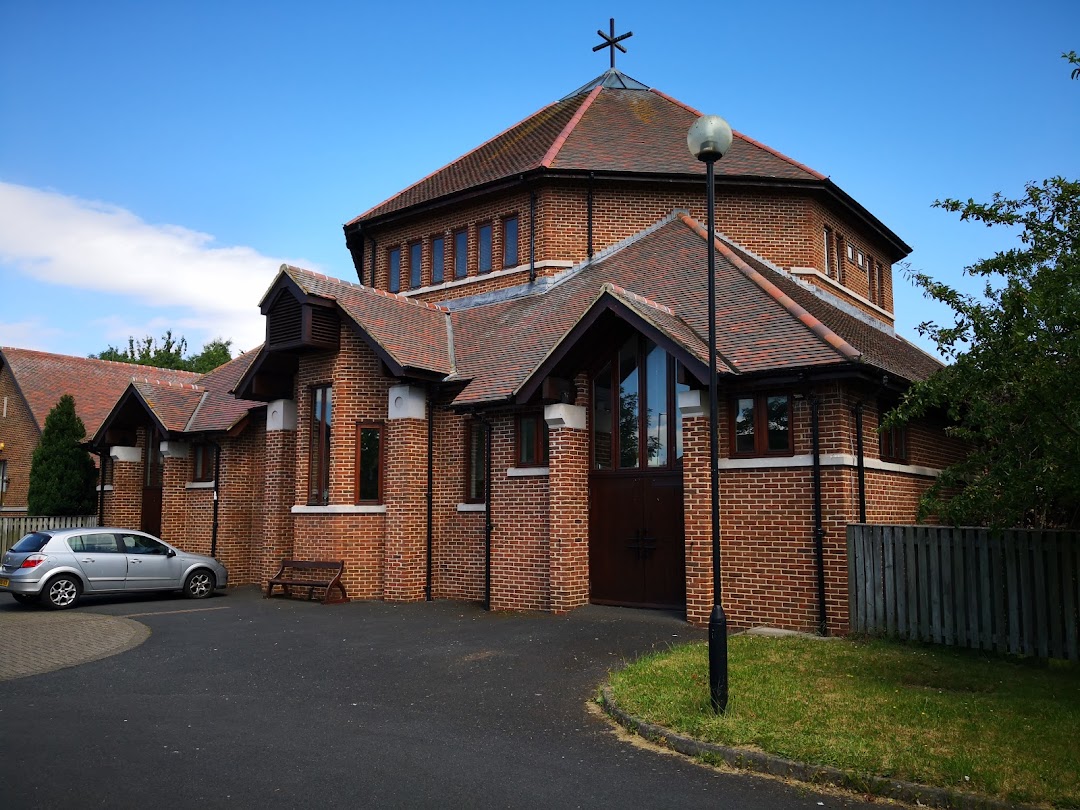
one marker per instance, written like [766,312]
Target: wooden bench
[329,580]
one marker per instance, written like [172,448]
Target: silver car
[57,567]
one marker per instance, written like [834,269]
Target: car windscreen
[35,541]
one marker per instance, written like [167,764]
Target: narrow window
[438,259]
[510,242]
[369,463]
[319,447]
[483,236]
[828,253]
[461,254]
[415,266]
[395,269]
[629,405]
[656,406]
[880,284]
[532,440]
[4,479]
[893,440]
[761,425]
[841,271]
[475,462]
[602,419]
[871,281]
[203,469]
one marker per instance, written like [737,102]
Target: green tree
[1011,388]
[62,474]
[169,353]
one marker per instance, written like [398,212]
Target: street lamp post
[708,139]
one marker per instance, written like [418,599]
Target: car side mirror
[170,553]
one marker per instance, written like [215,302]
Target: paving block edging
[758,762]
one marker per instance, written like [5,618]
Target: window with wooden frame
[438,259]
[202,468]
[510,241]
[393,261]
[319,445]
[369,463]
[830,271]
[633,408]
[461,253]
[841,272]
[892,441]
[416,259]
[761,425]
[475,462]
[483,248]
[532,440]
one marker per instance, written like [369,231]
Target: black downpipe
[819,531]
[532,236]
[862,465]
[590,215]
[103,459]
[430,487]
[488,525]
[217,492]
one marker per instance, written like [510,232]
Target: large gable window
[761,425]
[319,446]
[633,408]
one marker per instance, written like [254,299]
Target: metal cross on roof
[612,41]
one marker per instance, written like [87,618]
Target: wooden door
[636,550]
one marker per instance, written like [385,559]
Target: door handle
[134,560]
[87,560]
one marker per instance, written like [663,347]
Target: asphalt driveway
[244,702]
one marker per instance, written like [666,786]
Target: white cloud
[64,240]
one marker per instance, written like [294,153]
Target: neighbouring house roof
[656,281]
[96,385]
[205,405]
[613,125]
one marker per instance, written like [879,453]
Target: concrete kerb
[759,762]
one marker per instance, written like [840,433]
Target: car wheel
[62,593]
[199,584]
[26,598]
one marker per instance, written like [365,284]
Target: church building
[510,401]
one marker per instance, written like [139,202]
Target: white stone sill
[108,488]
[199,485]
[827,460]
[524,472]
[840,289]
[472,507]
[360,509]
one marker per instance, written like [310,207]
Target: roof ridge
[610,286]
[195,411]
[168,383]
[553,150]
[827,335]
[96,360]
[745,137]
[447,165]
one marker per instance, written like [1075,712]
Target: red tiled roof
[413,334]
[171,404]
[220,410]
[95,384]
[601,129]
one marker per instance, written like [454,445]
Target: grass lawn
[933,715]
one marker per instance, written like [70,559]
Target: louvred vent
[284,323]
[324,327]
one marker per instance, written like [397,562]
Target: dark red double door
[636,547]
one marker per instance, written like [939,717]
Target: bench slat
[330,584]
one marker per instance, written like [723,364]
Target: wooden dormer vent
[298,325]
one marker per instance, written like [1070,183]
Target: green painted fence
[1012,591]
[13,528]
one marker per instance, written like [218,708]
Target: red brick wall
[279,489]
[405,557]
[784,226]
[20,436]
[123,503]
[569,518]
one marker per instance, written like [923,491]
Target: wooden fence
[1012,591]
[13,528]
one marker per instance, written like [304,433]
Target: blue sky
[158,161]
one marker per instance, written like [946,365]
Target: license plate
[3,583]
